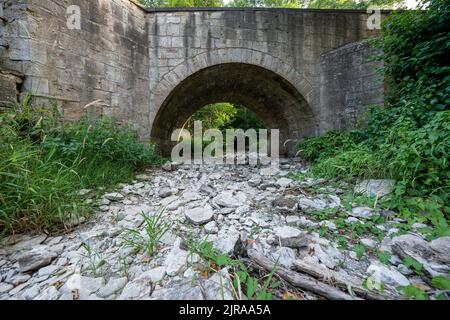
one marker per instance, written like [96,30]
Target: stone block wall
[106,60]
[350,84]
[131,61]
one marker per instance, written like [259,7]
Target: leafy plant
[384,257]
[414,293]
[242,276]
[155,227]
[360,250]
[95,259]
[44,161]
[407,139]
[441,282]
[415,265]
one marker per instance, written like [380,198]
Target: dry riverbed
[309,234]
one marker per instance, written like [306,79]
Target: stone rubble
[233,207]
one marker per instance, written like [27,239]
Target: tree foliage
[409,138]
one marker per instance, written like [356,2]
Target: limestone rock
[35,259]
[291,237]
[375,188]
[114,196]
[309,204]
[382,274]
[230,200]
[113,286]
[165,192]
[284,256]
[286,205]
[211,228]
[199,215]
[154,275]
[175,260]
[441,248]
[284,182]
[362,212]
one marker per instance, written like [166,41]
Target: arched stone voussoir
[235,55]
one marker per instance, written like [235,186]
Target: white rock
[227,243]
[35,259]
[284,182]
[291,237]
[269,171]
[327,255]
[211,228]
[329,224]
[154,275]
[51,293]
[165,192]
[441,248]
[113,286]
[285,256]
[292,220]
[375,188]
[368,242]
[382,274]
[114,196]
[136,289]
[230,200]
[47,271]
[352,220]
[309,204]
[199,215]
[5,287]
[175,260]
[362,212]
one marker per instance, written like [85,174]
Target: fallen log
[299,280]
[342,281]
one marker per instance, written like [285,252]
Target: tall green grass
[44,162]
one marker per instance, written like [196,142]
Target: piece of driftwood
[300,280]
[342,281]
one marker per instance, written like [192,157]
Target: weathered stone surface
[284,256]
[284,182]
[287,205]
[311,204]
[375,188]
[441,248]
[114,196]
[291,237]
[165,192]
[176,260]
[154,275]
[251,58]
[34,259]
[113,286]
[362,212]
[227,243]
[51,293]
[5,287]
[199,215]
[229,199]
[136,289]
[433,256]
[327,255]
[211,228]
[382,274]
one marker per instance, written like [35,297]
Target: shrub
[44,163]
[409,138]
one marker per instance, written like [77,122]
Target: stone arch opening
[274,99]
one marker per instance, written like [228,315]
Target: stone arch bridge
[302,71]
